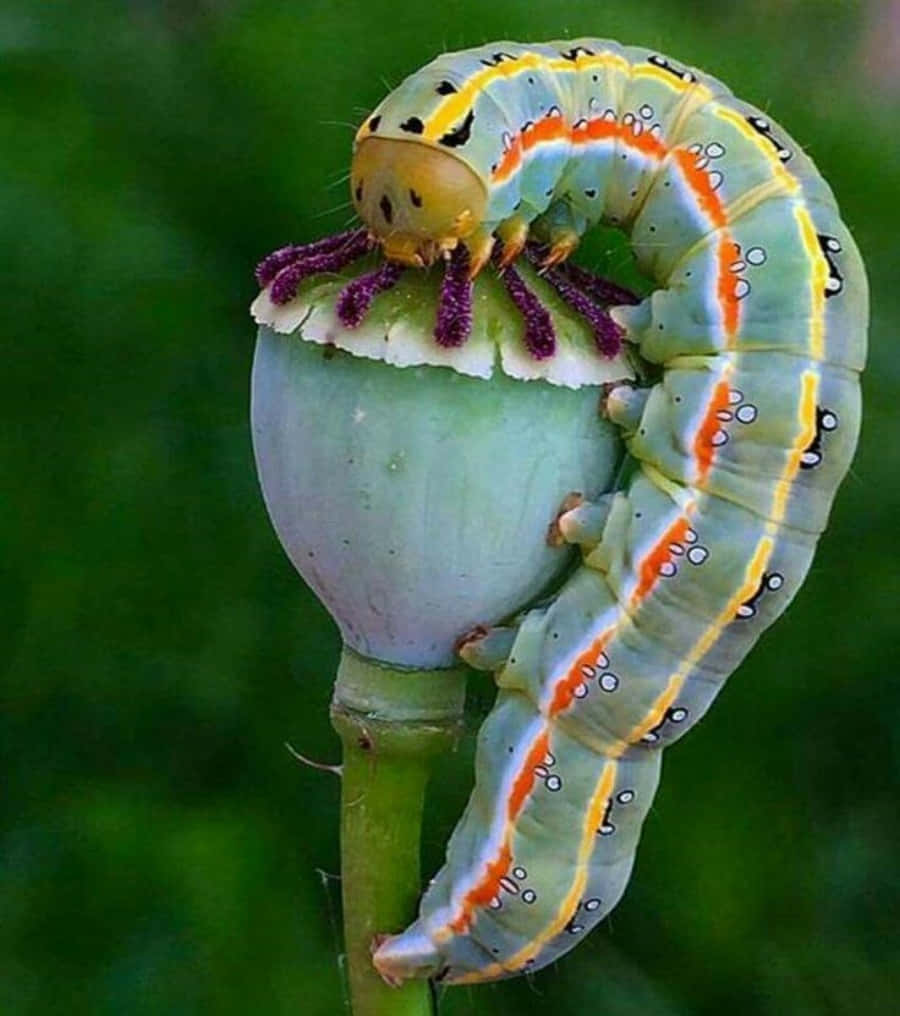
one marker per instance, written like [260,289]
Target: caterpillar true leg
[480,245]
[513,234]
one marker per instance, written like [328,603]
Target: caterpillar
[756,330]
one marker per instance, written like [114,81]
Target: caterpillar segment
[758,320]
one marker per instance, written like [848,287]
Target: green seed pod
[411,485]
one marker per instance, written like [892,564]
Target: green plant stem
[392,723]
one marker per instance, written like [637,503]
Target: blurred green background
[160,851]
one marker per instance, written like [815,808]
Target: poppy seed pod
[412,480]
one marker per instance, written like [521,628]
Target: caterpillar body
[758,324]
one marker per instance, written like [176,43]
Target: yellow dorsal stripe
[740,122]
[455,106]
[655,715]
[806,414]
[818,281]
[592,820]
[752,578]
[452,110]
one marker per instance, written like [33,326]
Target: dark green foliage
[160,850]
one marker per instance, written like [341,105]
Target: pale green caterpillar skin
[759,324]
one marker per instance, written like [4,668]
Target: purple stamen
[599,290]
[540,338]
[607,334]
[284,286]
[270,266]
[454,318]
[356,297]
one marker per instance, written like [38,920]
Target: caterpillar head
[416,200]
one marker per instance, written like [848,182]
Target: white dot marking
[697,555]
[609,682]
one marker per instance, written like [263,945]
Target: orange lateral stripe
[550,128]
[510,161]
[525,780]
[704,449]
[555,129]
[648,573]
[598,129]
[482,893]
[699,183]
[646,143]
[488,886]
[564,689]
[711,205]
[726,289]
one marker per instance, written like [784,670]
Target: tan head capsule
[416,200]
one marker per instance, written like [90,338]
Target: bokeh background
[160,851]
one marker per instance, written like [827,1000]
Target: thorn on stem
[337,770]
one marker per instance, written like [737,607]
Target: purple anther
[454,317]
[355,299]
[270,266]
[607,334]
[284,286]
[540,338]
[599,290]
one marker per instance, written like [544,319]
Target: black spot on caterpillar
[575,52]
[461,134]
[497,58]
[666,65]
[770,582]
[830,245]
[764,128]
[826,420]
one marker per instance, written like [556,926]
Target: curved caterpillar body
[759,324]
